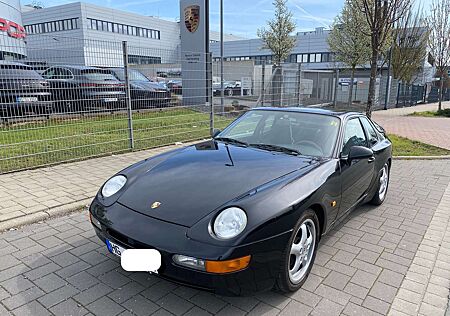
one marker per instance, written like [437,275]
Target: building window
[52,26]
[318,58]
[105,26]
[146,60]
[302,58]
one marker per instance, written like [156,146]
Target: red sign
[12,28]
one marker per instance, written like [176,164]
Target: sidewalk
[33,195]
[430,130]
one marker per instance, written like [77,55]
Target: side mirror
[359,152]
[216,132]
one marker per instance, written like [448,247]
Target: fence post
[128,95]
[209,95]
[317,88]
[263,83]
[299,85]
[336,87]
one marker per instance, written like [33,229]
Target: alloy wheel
[302,250]
[384,181]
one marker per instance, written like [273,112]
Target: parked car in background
[175,86]
[144,92]
[23,91]
[83,88]
[231,88]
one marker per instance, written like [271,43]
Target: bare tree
[439,40]
[348,41]
[381,16]
[409,47]
[278,36]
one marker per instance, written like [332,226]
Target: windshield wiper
[277,148]
[231,141]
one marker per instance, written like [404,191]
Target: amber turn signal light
[227,266]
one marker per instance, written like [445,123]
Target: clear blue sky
[242,17]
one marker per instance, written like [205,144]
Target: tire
[382,187]
[229,93]
[290,280]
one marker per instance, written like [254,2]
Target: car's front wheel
[300,252]
[383,184]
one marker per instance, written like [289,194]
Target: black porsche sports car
[245,211]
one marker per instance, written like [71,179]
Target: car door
[356,175]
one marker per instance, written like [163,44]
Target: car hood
[201,178]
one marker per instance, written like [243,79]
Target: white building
[88,34]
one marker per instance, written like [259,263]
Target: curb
[58,211]
[421,157]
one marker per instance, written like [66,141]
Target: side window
[371,133]
[353,135]
[48,74]
[65,74]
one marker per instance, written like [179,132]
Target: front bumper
[134,230]
[18,109]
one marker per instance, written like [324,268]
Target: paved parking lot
[430,130]
[58,267]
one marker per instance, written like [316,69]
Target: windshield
[305,133]
[98,75]
[133,75]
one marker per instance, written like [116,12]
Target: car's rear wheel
[382,188]
[300,252]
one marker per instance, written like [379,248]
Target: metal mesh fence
[72,98]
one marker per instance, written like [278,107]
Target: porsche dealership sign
[195,68]
[192,17]
[13,29]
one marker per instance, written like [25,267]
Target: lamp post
[388,79]
[221,58]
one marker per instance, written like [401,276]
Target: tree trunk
[373,80]
[441,91]
[350,90]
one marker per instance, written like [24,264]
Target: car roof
[12,63]
[341,114]
[77,67]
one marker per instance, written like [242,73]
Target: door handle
[371,159]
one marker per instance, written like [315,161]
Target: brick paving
[430,130]
[58,267]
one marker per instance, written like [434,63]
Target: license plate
[114,248]
[27,99]
[110,99]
